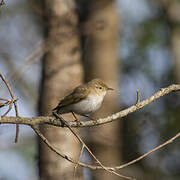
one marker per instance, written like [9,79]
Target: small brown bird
[84,99]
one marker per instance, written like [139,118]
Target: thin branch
[149,152]
[7,103]
[9,109]
[42,137]
[115,168]
[14,102]
[90,152]
[79,159]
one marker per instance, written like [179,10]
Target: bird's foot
[89,117]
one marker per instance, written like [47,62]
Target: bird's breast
[88,105]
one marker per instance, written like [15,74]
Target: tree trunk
[101,62]
[62,71]
[176,49]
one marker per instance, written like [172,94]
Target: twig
[9,108]
[90,152]
[149,152]
[138,97]
[7,103]
[42,137]
[14,102]
[79,159]
[99,167]
[3,99]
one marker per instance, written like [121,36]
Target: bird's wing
[77,95]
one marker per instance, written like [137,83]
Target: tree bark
[101,62]
[62,71]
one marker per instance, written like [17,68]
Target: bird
[84,99]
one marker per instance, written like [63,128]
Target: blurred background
[49,47]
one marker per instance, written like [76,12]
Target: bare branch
[7,103]
[42,137]
[149,152]
[9,109]
[14,102]
[51,120]
[79,159]
[90,152]
[115,168]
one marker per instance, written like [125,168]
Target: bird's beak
[110,89]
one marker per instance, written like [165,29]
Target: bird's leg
[89,117]
[60,118]
[76,119]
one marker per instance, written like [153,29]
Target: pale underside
[85,106]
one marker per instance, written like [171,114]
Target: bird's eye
[100,87]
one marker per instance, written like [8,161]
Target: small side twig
[115,168]
[14,102]
[79,159]
[138,97]
[7,103]
[9,109]
[43,138]
[149,152]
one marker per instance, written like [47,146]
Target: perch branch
[51,120]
